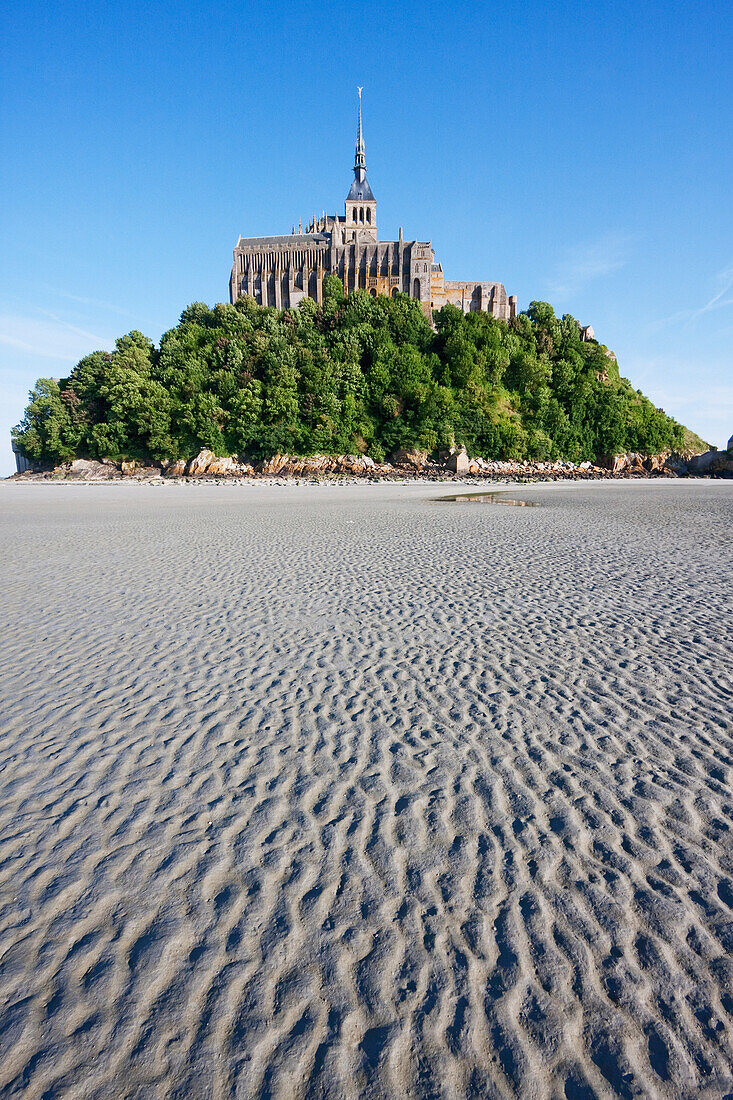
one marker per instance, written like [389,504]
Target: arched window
[373,292]
[395,291]
[425,267]
[416,289]
[361,214]
[354,214]
[369,216]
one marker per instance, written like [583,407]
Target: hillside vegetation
[356,374]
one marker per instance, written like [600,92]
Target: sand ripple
[335,793]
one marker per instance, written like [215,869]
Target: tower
[361,206]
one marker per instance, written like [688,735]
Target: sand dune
[336,792]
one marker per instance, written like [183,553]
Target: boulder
[676,464]
[223,467]
[314,465]
[200,464]
[88,469]
[355,464]
[207,464]
[654,464]
[175,469]
[317,465]
[721,464]
[309,466]
[616,464]
[710,464]
[635,463]
[416,459]
[272,465]
[703,464]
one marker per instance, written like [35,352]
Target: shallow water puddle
[485,498]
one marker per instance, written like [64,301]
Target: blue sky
[579,153]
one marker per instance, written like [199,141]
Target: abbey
[280,271]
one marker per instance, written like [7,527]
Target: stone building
[280,271]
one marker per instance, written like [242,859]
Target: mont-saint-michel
[340,354]
[322,776]
[281,271]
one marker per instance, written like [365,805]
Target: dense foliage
[354,374]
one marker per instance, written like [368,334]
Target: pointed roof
[360,190]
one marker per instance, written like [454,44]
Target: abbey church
[280,271]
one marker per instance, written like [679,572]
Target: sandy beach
[340,792]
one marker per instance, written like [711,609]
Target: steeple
[361,206]
[360,159]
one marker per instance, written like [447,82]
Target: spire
[360,189]
[360,161]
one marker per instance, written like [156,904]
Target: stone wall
[281,271]
[471,297]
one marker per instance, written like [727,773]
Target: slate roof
[290,239]
[360,191]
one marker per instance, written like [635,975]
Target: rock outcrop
[711,463]
[198,465]
[638,465]
[207,464]
[407,464]
[89,469]
[416,460]
[175,469]
[318,465]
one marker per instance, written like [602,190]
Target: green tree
[353,373]
[49,431]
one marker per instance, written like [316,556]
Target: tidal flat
[334,792]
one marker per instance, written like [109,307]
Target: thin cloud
[49,339]
[71,328]
[584,263]
[719,300]
[97,303]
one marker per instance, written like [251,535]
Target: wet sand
[336,792]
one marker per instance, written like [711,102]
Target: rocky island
[353,386]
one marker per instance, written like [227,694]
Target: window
[353,213]
[395,291]
[361,215]
[369,216]
[416,289]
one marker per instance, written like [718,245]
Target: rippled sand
[334,792]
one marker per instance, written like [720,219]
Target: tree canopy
[355,374]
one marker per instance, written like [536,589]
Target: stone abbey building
[280,271]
